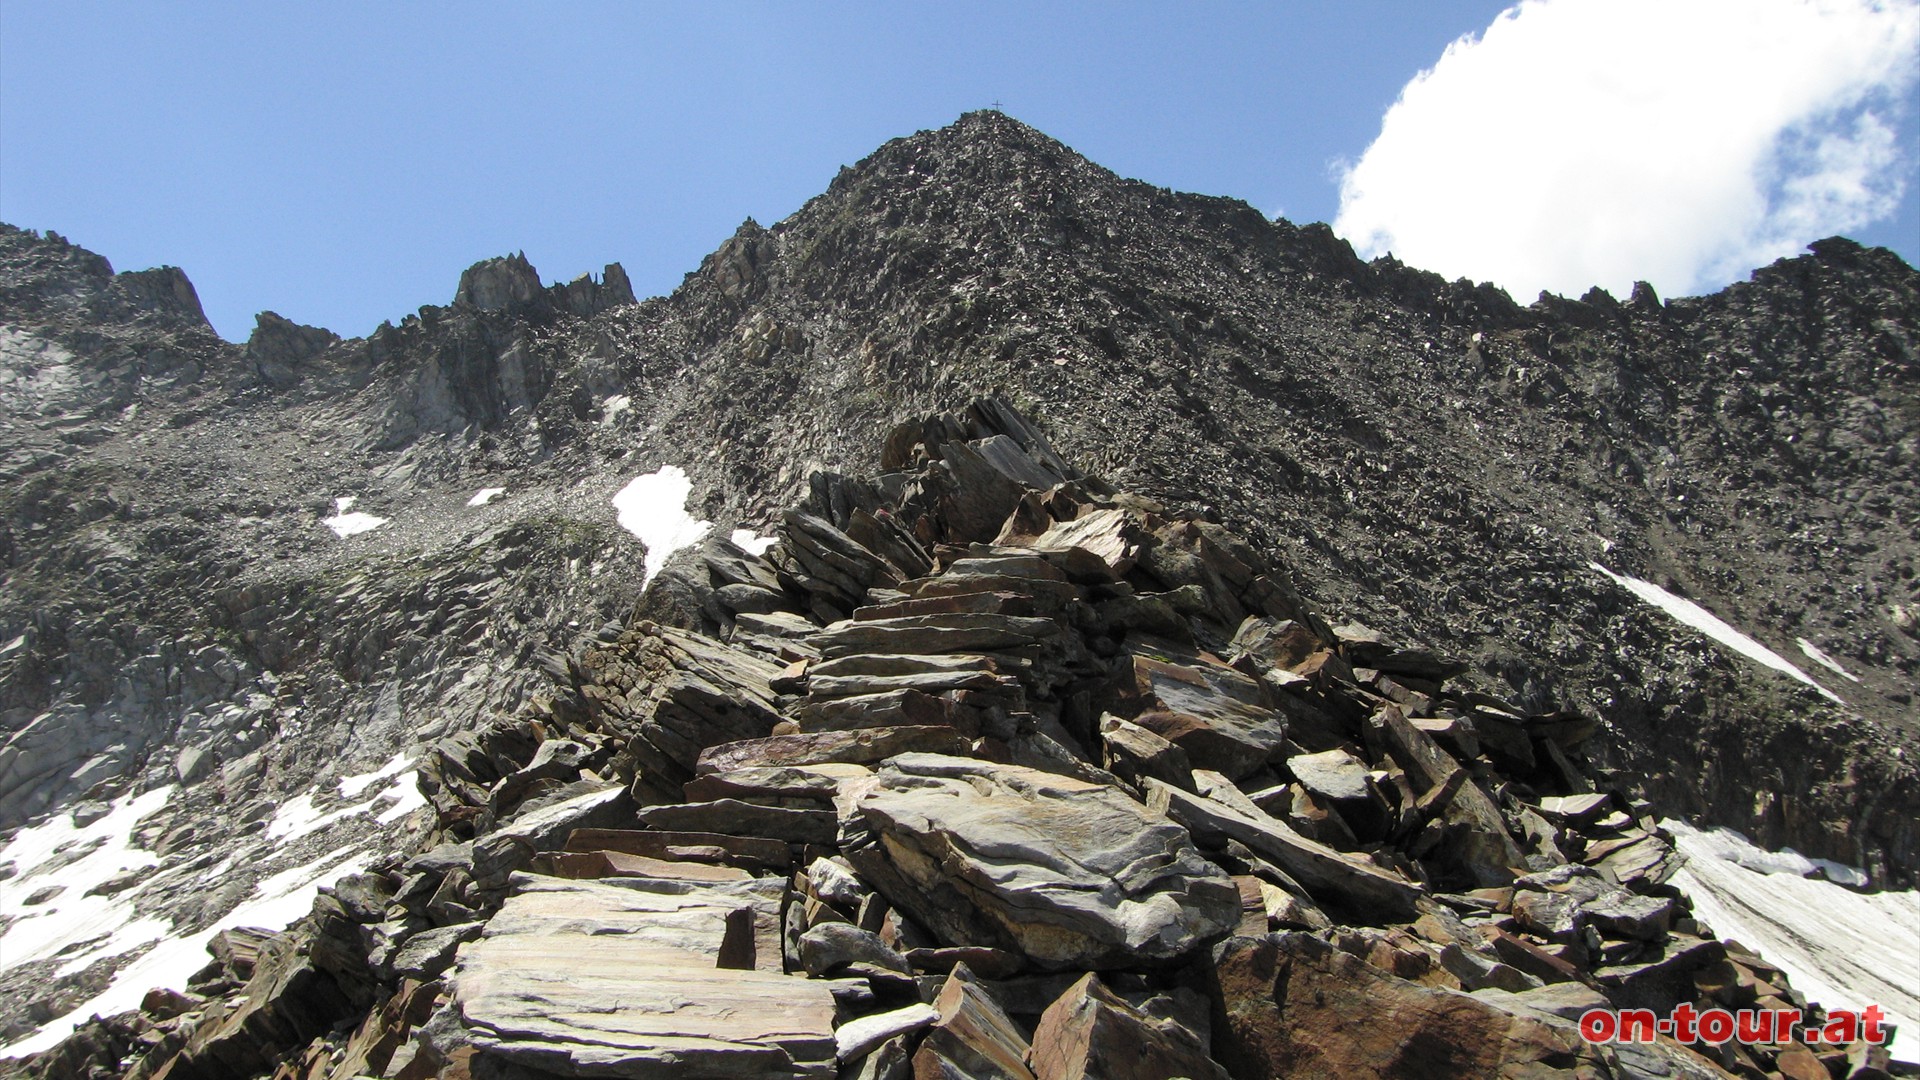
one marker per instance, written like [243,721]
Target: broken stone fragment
[1274,644]
[1475,846]
[972,1039]
[1359,888]
[745,852]
[833,880]
[1133,752]
[1555,904]
[1347,786]
[304,981]
[429,953]
[1663,977]
[858,1037]
[735,818]
[1109,538]
[593,980]
[1639,859]
[985,962]
[945,633]
[786,786]
[594,865]
[901,707]
[1477,972]
[1093,1034]
[514,844]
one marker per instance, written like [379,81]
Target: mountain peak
[498,283]
[982,147]
[392,600]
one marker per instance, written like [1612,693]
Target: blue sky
[341,164]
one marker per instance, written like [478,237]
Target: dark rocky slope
[1011,819]
[1429,458]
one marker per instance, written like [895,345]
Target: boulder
[1217,715]
[745,852]
[609,864]
[858,1037]
[1295,1005]
[942,633]
[1111,538]
[833,945]
[1273,644]
[1069,873]
[1341,780]
[427,954]
[1133,752]
[1475,846]
[633,979]
[513,845]
[735,818]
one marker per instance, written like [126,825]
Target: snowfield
[275,902]
[1819,656]
[1841,948]
[58,863]
[47,903]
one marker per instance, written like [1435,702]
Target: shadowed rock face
[1427,459]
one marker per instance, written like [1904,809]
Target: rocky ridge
[1427,457]
[1438,459]
[987,768]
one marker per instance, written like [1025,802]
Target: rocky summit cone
[1000,614]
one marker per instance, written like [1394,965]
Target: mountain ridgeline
[1428,462]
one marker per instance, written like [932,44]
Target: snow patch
[1841,948]
[75,859]
[1815,654]
[351,786]
[613,407]
[1699,618]
[485,496]
[1729,845]
[406,796]
[748,541]
[274,902]
[296,818]
[347,521]
[299,816]
[653,508]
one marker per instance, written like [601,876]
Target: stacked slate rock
[987,770]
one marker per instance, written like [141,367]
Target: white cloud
[1681,142]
